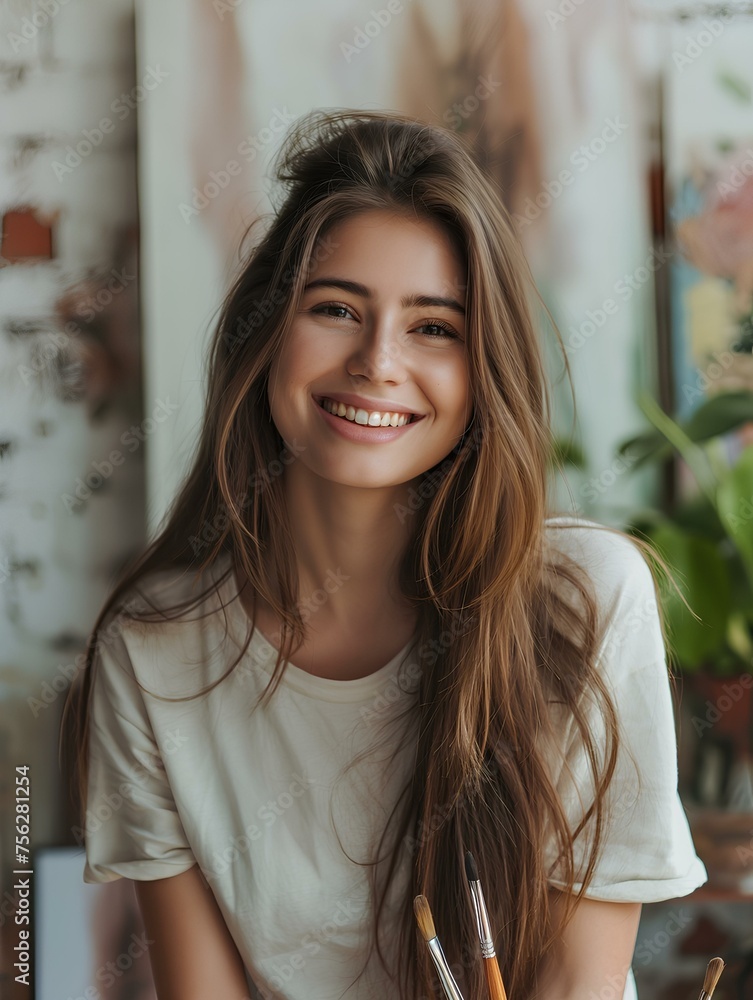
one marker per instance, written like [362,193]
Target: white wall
[67,393]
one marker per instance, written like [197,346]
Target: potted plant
[707,540]
[708,537]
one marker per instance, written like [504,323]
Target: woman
[398,655]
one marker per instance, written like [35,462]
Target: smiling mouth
[366,418]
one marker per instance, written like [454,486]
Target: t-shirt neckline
[298,679]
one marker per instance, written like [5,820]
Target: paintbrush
[491,966]
[426,926]
[713,970]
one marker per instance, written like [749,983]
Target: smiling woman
[389,269]
[391,617]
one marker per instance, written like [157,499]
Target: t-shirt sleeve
[132,827]
[647,850]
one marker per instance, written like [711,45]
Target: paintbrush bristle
[423,916]
[713,971]
[471,870]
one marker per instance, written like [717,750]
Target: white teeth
[359,416]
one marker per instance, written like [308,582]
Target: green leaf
[568,453]
[738,636]
[697,515]
[649,446]
[734,500]
[736,85]
[720,414]
[695,457]
[701,574]
[644,519]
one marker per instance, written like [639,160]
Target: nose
[377,354]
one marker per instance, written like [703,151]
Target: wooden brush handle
[494,979]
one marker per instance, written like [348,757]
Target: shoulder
[162,628]
[166,599]
[621,578]
[610,557]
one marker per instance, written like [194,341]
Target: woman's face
[381,329]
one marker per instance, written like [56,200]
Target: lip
[363,403]
[362,433]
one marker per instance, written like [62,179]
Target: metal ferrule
[446,977]
[482,920]
[704,995]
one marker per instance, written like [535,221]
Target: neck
[349,542]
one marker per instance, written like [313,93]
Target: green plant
[567,452]
[706,539]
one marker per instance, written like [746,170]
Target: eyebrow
[407,302]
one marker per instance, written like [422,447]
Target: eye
[322,309]
[438,324]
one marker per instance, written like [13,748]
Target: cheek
[457,389]
[286,368]
[304,356]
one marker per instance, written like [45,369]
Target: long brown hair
[506,643]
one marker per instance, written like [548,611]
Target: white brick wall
[66,393]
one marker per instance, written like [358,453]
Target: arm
[192,954]
[594,952]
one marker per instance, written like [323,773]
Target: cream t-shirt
[255,797]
